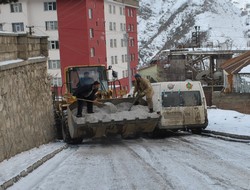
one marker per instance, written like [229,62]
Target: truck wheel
[196,131]
[66,135]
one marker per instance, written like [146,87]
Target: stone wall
[26,110]
[22,46]
[232,101]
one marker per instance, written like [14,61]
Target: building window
[17,27]
[132,57]
[129,27]
[110,26]
[115,43]
[131,12]
[49,6]
[91,33]
[110,9]
[122,27]
[120,10]
[132,42]
[112,60]
[116,61]
[132,27]
[54,64]
[90,14]
[1,27]
[53,44]
[113,9]
[16,8]
[51,25]
[56,81]
[123,58]
[92,52]
[122,42]
[111,43]
[114,26]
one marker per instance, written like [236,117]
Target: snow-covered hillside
[164,24]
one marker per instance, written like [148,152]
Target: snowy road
[180,162]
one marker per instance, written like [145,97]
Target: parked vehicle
[181,104]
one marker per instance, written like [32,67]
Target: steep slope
[167,24]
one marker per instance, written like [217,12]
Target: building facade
[79,32]
[37,18]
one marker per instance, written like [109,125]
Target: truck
[112,113]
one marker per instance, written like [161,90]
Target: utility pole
[128,60]
[196,37]
[30,29]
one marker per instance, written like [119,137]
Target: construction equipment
[112,118]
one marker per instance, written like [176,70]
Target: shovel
[136,99]
[112,108]
[90,101]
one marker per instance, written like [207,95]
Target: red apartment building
[83,27]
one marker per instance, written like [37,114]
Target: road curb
[31,168]
[228,136]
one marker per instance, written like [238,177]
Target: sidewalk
[22,164]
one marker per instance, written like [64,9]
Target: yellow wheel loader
[112,114]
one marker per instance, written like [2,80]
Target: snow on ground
[219,120]
[228,121]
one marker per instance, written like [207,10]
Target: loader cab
[76,76]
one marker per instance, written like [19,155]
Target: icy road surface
[185,162]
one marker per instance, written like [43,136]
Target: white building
[116,45]
[40,18]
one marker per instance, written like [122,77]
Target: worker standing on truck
[143,88]
[87,92]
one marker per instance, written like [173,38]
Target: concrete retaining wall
[233,101]
[26,111]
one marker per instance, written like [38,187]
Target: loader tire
[58,126]
[66,135]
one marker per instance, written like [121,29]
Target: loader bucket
[105,121]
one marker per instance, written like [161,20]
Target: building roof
[234,65]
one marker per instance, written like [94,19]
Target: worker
[86,80]
[144,88]
[87,92]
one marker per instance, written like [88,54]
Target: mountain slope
[164,24]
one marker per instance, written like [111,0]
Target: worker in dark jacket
[87,92]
